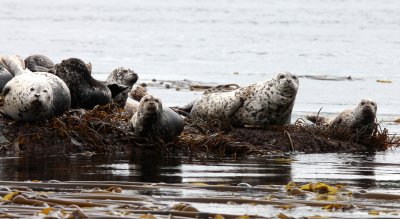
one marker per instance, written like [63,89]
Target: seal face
[35,96]
[86,92]
[261,104]
[152,120]
[122,76]
[38,63]
[360,120]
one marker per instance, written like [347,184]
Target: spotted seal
[261,104]
[122,76]
[32,96]
[361,119]
[134,96]
[152,120]
[38,63]
[86,92]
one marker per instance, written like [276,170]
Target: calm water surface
[378,171]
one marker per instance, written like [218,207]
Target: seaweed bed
[106,129]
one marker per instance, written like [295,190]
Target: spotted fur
[261,104]
[361,119]
[31,96]
[122,76]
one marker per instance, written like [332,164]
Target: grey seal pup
[261,104]
[122,76]
[38,63]
[361,119]
[32,96]
[152,120]
[86,92]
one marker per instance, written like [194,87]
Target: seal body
[360,120]
[86,92]
[152,120]
[38,63]
[122,76]
[35,96]
[5,76]
[261,104]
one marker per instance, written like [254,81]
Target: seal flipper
[14,64]
[317,119]
[185,108]
[116,89]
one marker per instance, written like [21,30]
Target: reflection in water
[368,171]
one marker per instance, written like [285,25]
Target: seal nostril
[37,95]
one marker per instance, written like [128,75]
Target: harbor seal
[152,120]
[122,76]
[360,120]
[86,92]
[261,104]
[32,96]
[38,63]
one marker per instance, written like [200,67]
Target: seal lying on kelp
[86,92]
[261,104]
[361,119]
[31,96]
[152,120]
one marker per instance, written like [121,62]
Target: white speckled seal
[361,119]
[33,96]
[261,104]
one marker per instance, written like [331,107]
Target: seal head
[38,63]
[121,76]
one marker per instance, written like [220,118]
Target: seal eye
[145,100]
[372,103]
[45,91]
[32,89]
[362,103]
[281,76]
[294,77]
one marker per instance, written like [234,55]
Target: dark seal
[152,120]
[86,92]
[38,63]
